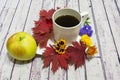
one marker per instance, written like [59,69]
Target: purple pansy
[86,29]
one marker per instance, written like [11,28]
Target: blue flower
[86,29]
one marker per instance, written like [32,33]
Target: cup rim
[62,26]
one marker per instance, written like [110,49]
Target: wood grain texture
[117,3]
[5,24]
[16,25]
[105,40]
[6,63]
[3,4]
[95,64]
[80,73]
[113,19]
[37,71]
[60,74]
[87,7]
[19,15]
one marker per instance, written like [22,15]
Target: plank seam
[54,3]
[27,15]
[66,3]
[85,74]
[111,31]
[102,63]
[85,71]
[9,28]
[42,4]
[97,57]
[31,68]
[6,37]
[48,72]
[1,24]
[33,58]
[12,69]
[117,7]
[3,8]
[67,75]
[79,5]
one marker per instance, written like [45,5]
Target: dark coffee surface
[67,21]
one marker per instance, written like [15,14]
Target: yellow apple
[21,46]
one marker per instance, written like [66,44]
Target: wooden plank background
[19,15]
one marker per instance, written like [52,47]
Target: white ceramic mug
[68,33]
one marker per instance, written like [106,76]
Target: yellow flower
[60,46]
[92,50]
[86,40]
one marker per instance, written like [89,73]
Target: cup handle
[84,16]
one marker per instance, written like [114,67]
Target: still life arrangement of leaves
[59,54]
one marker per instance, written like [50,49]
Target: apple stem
[21,38]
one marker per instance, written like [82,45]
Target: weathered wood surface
[19,15]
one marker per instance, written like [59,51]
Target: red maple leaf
[43,27]
[77,53]
[57,60]
[47,15]
[41,39]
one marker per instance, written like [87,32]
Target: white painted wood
[60,74]
[20,68]
[78,74]
[114,20]
[94,66]
[48,4]
[60,3]
[104,67]
[7,21]
[73,4]
[73,74]
[118,5]
[24,72]
[94,70]
[5,11]
[6,63]
[21,12]
[37,71]
[6,66]
[33,15]
[108,51]
[20,16]
[2,5]
[85,6]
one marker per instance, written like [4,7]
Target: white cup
[68,33]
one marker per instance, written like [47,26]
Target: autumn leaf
[43,27]
[43,13]
[47,15]
[77,54]
[50,13]
[57,60]
[63,61]
[47,62]
[55,64]
[60,55]
[44,39]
